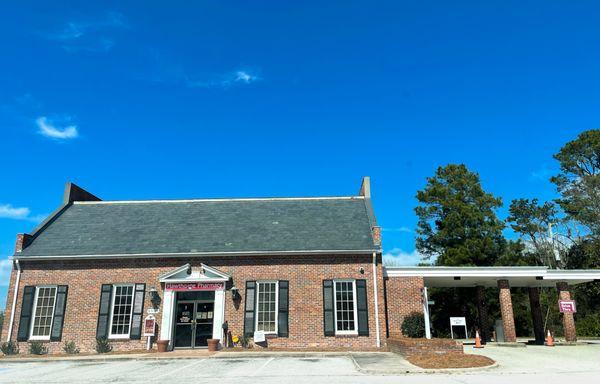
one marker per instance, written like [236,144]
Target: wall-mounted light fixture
[235,293]
[154,296]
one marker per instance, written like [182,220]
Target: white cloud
[48,129]
[245,77]
[89,35]
[223,81]
[7,211]
[398,229]
[398,257]
[5,269]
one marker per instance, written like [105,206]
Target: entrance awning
[489,276]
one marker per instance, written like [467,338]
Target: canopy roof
[489,276]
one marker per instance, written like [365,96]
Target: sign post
[149,329]
[458,322]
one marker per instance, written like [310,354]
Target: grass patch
[449,360]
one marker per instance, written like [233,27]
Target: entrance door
[204,323]
[194,323]
[184,324]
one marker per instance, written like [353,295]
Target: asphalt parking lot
[579,364]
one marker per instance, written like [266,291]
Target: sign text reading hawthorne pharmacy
[193,286]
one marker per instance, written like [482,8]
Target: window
[122,306]
[43,312]
[345,307]
[266,306]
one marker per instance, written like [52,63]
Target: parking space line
[255,373]
[181,368]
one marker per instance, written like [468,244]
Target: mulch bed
[450,360]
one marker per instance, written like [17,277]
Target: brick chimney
[22,242]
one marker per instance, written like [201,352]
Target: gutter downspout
[378,342]
[14,302]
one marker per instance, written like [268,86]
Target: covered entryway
[194,306]
[532,278]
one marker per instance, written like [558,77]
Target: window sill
[41,340]
[346,335]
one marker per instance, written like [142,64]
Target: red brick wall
[402,296]
[407,347]
[305,274]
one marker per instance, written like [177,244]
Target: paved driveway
[517,365]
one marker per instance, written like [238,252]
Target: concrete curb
[419,370]
[167,356]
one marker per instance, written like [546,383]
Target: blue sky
[228,99]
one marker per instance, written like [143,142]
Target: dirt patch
[450,360]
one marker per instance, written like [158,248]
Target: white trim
[375,293]
[464,271]
[493,272]
[101,202]
[112,310]
[14,301]
[202,254]
[35,299]
[258,282]
[355,309]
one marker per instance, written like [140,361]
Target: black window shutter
[138,311]
[104,311]
[328,308]
[283,310]
[249,309]
[26,310]
[59,312]
[362,308]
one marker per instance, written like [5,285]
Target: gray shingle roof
[206,226]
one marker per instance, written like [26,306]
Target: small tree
[413,325]
[37,348]
[102,345]
[9,348]
[70,348]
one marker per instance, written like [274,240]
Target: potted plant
[163,345]
[213,344]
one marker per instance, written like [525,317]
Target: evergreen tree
[457,219]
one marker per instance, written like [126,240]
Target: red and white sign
[567,306]
[149,326]
[194,286]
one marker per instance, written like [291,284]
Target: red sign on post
[567,306]
[149,325]
[194,286]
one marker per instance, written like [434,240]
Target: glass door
[184,324]
[204,323]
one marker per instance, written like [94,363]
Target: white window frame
[276,305]
[355,309]
[35,299]
[112,310]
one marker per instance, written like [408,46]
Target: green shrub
[70,348]
[589,326]
[102,345]
[37,348]
[414,325]
[9,348]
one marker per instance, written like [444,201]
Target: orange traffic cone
[477,340]
[549,340]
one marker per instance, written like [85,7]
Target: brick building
[298,272]
[305,272]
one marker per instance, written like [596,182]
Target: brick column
[536,315]
[484,331]
[508,318]
[568,319]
